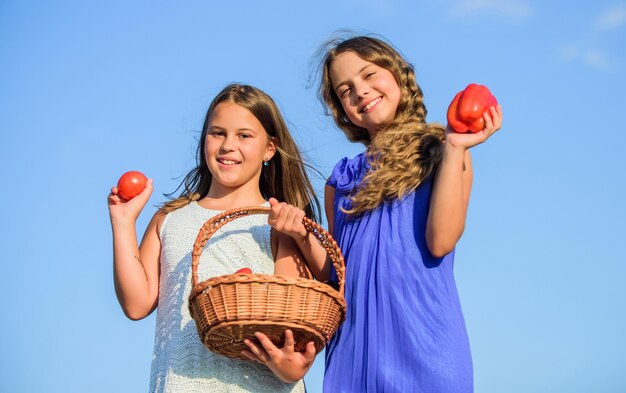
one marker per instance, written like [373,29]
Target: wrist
[301,240]
[123,222]
[287,376]
[452,152]
[452,148]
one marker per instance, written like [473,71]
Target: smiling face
[235,147]
[369,94]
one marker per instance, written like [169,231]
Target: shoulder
[158,219]
[347,172]
[166,214]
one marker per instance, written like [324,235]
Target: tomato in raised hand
[465,113]
[244,270]
[131,184]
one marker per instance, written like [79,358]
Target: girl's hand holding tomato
[287,219]
[124,209]
[131,184]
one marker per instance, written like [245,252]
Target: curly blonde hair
[407,150]
[284,179]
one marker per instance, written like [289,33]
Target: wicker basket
[230,308]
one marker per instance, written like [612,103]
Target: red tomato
[245,270]
[131,184]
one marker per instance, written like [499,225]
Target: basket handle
[216,222]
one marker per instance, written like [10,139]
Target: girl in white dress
[245,157]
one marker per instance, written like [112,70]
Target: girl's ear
[270,149]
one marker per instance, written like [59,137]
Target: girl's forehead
[347,65]
[228,110]
[232,115]
[347,59]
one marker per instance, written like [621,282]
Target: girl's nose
[361,90]
[228,144]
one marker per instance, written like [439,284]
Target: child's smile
[368,107]
[228,162]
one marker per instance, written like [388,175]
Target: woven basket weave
[230,308]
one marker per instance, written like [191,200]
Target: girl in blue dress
[397,211]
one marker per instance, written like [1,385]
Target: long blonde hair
[407,150]
[284,179]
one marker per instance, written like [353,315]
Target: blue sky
[90,90]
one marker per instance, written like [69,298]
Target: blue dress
[404,329]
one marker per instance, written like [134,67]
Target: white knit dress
[181,363]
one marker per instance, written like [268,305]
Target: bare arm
[135,268]
[289,260]
[449,201]
[329,206]
[452,186]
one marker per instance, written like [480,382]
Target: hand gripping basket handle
[216,222]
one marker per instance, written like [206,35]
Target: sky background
[89,90]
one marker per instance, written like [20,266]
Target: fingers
[275,208]
[274,218]
[146,192]
[497,116]
[310,352]
[488,121]
[493,117]
[292,219]
[141,199]
[256,353]
[289,341]
[287,218]
[112,198]
[250,356]
[269,350]
[493,120]
[268,345]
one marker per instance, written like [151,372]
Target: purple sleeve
[338,171]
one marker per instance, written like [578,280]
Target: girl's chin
[374,127]
[375,121]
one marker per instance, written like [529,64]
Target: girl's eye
[369,75]
[344,92]
[244,136]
